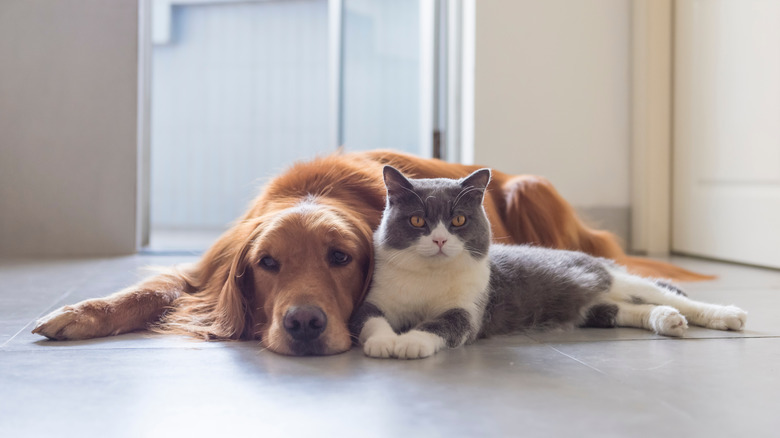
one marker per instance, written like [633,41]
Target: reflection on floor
[587,382]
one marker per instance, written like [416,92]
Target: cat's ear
[395,181]
[479,179]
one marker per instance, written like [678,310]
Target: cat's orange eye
[417,221]
[459,220]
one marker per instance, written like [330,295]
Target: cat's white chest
[409,293]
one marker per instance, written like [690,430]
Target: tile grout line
[677,410]
[48,309]
[596,341]
[577,360]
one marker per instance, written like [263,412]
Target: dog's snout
[305,323]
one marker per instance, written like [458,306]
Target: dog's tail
[537,214]
[658,269]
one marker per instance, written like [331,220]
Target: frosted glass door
[387,76]
[239,92]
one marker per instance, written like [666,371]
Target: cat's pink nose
[440,241]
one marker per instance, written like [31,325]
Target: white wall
[552,96]
[68,93]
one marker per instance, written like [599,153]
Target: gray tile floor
[587,382]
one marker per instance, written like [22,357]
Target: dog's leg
[134,308]
[637,290]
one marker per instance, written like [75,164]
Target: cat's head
[436,219]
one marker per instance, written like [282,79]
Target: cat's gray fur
[511,287]
[533,287]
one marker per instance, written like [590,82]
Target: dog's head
[297,278]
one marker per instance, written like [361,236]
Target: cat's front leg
[452,329]
[417,344]
[378,338]
[372,330]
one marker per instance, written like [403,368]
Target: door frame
[143,136]
[652,126]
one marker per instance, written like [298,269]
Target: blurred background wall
[552,97]
[68,124]
[239,90]
[606,98]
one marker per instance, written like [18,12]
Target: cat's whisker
[398,255]
[382,241]
[464,193]
[474,251]
[415,194]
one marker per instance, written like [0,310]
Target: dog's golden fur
[302,216]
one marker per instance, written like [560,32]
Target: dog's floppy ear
[220,307]
[232,313]
[368,275]
[367,236]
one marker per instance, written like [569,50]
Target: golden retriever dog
[293,268]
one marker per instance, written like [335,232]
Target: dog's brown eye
[417,221]
[269,263]
[339,258]
[458,220]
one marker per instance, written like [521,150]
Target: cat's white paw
[417,344]
[380,346]
[727,318]
[668,321]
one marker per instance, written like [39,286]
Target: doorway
[242,89]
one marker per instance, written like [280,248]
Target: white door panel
[727,130]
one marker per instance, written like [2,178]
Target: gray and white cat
[439,282]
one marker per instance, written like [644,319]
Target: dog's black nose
[305,323]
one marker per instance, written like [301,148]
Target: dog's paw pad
[728,318]
[416,345]
[53,325]
[379,346]
[668,321]
[70,323]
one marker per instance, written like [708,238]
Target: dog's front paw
[69,323]
[668,321]
[417,344]
[54,324]
[728,318]
[380,346]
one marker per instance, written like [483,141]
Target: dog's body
[293,268]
